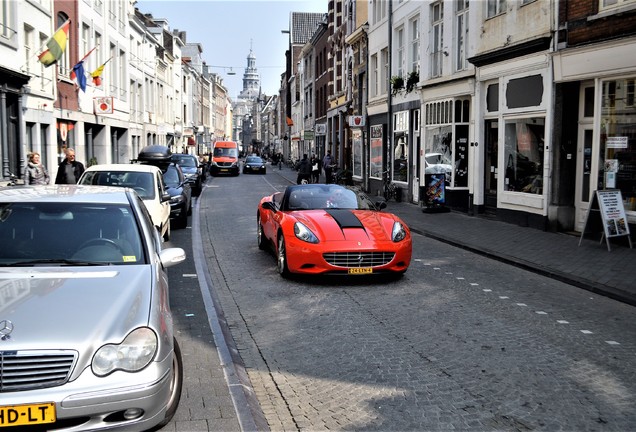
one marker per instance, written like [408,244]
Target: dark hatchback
[254,164]
[192,170]
[180,195]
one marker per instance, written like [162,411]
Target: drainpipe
[389,138]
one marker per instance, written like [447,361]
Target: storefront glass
[356,137]
[375,151]
[523,155]
[401,147]
[618,139]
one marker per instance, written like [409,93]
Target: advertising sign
[434,192]
[607,210]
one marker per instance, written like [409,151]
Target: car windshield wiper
[55,261]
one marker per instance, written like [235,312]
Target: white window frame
[495,7]
[461,34]
[399,37]
[437,38]
[414,26]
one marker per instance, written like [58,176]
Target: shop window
[492,98]
[439,151]
[523,155]
[524,92]
[618,140]
[401,157]
[375,152]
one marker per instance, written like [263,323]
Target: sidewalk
[557,255]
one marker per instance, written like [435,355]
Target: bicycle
[389,189]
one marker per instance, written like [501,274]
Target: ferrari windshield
[62,233]
[326,196]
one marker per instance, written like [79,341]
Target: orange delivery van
[225,158]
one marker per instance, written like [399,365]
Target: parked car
[192,169]
[436,163]
[86,328]
[254,164]
[180,195]
[146,180]
[318,228]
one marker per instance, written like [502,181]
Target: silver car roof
[65,193]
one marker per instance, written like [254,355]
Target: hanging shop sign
[321,129]
[356,121]
[103,105]
[606,214]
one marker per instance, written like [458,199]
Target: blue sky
[227,29]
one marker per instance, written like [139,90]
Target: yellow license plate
[20,415]
[360,270]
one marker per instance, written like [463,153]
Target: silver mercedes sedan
[86,335]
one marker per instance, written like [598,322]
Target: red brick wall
[580,30]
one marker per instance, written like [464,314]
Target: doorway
[491,148]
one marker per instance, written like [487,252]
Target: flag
[290,122]
[97,74]
[78,72]
[79,76]
[56,45]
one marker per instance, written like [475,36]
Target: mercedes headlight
[133,354]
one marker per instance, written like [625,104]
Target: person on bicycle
[327,164]
[304,171]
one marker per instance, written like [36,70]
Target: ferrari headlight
[134,353]
[304,233]
[399,233]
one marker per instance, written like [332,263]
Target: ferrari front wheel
[281,261]
[259,233]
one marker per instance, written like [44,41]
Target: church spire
[251,80]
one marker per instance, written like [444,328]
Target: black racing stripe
[345,218]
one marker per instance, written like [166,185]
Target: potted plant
[412,80]
[397,84]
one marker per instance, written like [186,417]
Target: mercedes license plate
[21,415]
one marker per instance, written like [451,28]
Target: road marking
[522,304]
[612,343]
[487,290]
[189,275]
[541,313]
[586,332]
[504,297]
[460,278]
[563,322]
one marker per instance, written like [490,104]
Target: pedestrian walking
[304,170]
[327,165]
[315,168]
[35,173]
[69,171]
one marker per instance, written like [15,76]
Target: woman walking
[35,173]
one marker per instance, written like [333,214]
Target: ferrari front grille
[27,370]
[358,259]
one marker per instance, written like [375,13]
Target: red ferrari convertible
[328,228]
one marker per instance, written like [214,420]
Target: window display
[618,140]
[523,155]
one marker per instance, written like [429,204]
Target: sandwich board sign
[606,211]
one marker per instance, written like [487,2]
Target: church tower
[251,80]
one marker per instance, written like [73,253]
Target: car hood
[348,225]
[189,170]
[55,308]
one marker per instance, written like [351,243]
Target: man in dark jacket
[69,171]
[304,170]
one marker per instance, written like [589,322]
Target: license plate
[360,270]
[224,169]
[20,415]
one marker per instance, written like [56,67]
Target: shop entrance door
[585,166]
[490,166]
